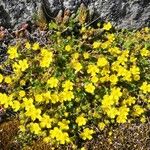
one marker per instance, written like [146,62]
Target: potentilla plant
[75,87]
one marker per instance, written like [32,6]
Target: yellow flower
[46,53]
[146,29]
[113,79]
[86,55]
[5,100]
[60,136]
[68,48]
[1,78]
[102,61]
[133,59]
[64,124]
[67,95]
[27,45]
[64,138]
[80,120]
[52,82]
[129,101]
[38,98]
[8,79]
[35,128]
[87,134]
[46,96]
[127,75]
[145,87]
[107,26]
[54,98]
[22,93]
[89,88]
[83,29]
[44,62]
[105,45]
[75,56]
[22,128]
[136,77]
[47,139]
[122,116]
[123,58]
[135,70]
[121,119]
[22,82]
[16,68]
[55,132]
[45,121]
[66,114]
[36,46]
[104,79]
[23,64]
[115,66]
[77,66]
[143,119]
[46,58]
[96,44]
[33,113]
[138,110]
[92,69]
[112,112]
[101,125]
[145,52]
[12,51]
[116,94]
[67,85]
[114,51]
[107,102]
[94,79]
[16,105]
[27,104]
[122,71]
[111,37]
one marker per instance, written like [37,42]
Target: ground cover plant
[83,80]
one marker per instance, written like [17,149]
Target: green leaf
[53,25]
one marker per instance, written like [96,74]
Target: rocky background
[122,13]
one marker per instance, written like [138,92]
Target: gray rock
[4,17]
[122,13]
[52,7]
[15,12]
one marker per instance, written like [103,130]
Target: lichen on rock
[122,13]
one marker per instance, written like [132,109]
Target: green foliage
[86,80]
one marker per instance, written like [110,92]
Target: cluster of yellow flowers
[12,51]
[64,90]
[46,58]
[21,66]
